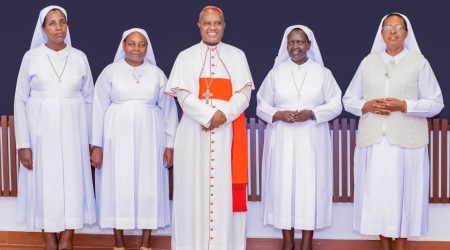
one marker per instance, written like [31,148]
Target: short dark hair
[397,15]
[54,9]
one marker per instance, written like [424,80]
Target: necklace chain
[54,70]
[207,93]
[295,83]
[136,78]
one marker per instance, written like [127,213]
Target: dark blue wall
[344,29]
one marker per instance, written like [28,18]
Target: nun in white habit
[393,91]
[134,125]
[297,99]
[52,108]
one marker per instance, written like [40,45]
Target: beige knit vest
[401,129]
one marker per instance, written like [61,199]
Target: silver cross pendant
[207,95]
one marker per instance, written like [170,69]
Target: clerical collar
[294,65]
[397,58]
[131,66]
[206,46]
[54,53]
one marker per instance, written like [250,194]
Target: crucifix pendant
[207,95]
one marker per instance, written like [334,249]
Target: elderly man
[213,84]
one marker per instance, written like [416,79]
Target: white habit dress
[392,182]
[133,121]
[202,202]
[297,159]
[53,119]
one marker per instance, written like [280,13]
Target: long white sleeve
[265,108]
[87,90]
[20,101]
[239,101]
[332,106]
[353,99]
[237,104]
[102,100]
[169,109]
[430,101]
[191,105]
[195,108]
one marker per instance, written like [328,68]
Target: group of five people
[127,127]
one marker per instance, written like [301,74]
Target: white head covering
[312,54]
[39,36]
[410,42]
[149,57]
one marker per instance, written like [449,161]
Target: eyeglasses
[388,28]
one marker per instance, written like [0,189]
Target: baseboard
[34,240]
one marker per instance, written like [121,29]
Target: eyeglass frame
[397,27]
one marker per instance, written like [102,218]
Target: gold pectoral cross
[207,95]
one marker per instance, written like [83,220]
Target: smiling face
[135,46]
[394,32]
[55,27]
[211,25]
[298,45]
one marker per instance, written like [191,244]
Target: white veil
[39,36]
[149,57]
[410,41]
[313,52]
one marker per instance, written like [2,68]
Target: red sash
[222,89]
